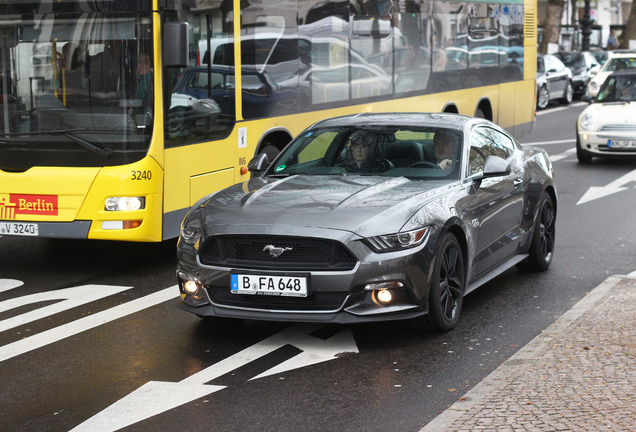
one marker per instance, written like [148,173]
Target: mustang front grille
[276,252]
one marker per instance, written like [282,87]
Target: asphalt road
[91,338]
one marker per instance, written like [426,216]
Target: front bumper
[338,296]
[599,143]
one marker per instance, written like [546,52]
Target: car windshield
[392,151]
[618,89]
[615,64]
[572,59]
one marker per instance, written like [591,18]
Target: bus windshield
[76,84]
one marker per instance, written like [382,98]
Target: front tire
[543,98]
[583,156]
[446,290]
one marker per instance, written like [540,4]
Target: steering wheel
[425,164]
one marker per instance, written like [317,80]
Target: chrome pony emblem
[275,251]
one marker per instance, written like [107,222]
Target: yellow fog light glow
[384,296]
[381,292]
[124,203]
[190,287]
[586,137]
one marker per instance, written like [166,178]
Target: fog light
[120,225]
[384,296]
[190,287]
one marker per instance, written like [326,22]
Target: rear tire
[542,246]
[446,290]
[568,94]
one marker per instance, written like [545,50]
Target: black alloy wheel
[446,292]
[543,239]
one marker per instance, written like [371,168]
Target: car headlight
[587,121]
[190,234]
[398,241]
[593,85]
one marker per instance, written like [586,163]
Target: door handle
[517,181]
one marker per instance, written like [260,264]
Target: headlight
[398,241]
[190,233]
[594,85]
[587,121]
[125,203]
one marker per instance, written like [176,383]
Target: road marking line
[544,143]
[9,284]
[62,332]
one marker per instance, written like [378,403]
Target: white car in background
[616,61]
[608,126]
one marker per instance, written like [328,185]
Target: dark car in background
[554,81]
[583,66]
[261,96]
[439,205]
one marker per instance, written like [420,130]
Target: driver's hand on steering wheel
[445,164]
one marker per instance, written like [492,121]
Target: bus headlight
[125,203]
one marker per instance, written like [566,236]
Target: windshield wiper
[104,152]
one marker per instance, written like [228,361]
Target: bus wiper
[103,152]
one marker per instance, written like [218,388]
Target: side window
[484,142]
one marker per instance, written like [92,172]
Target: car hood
[365,205]
[615,113]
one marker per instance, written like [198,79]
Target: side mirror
[175,44]
[258,165]
[495,167]
[587,98]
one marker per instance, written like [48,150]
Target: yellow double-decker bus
[117,115]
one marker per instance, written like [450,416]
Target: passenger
[444,147]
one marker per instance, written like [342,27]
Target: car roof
[628,54]
[444,120]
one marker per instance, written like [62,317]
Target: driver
[444,148]
[362,154]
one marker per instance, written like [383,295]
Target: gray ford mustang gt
[370,217]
